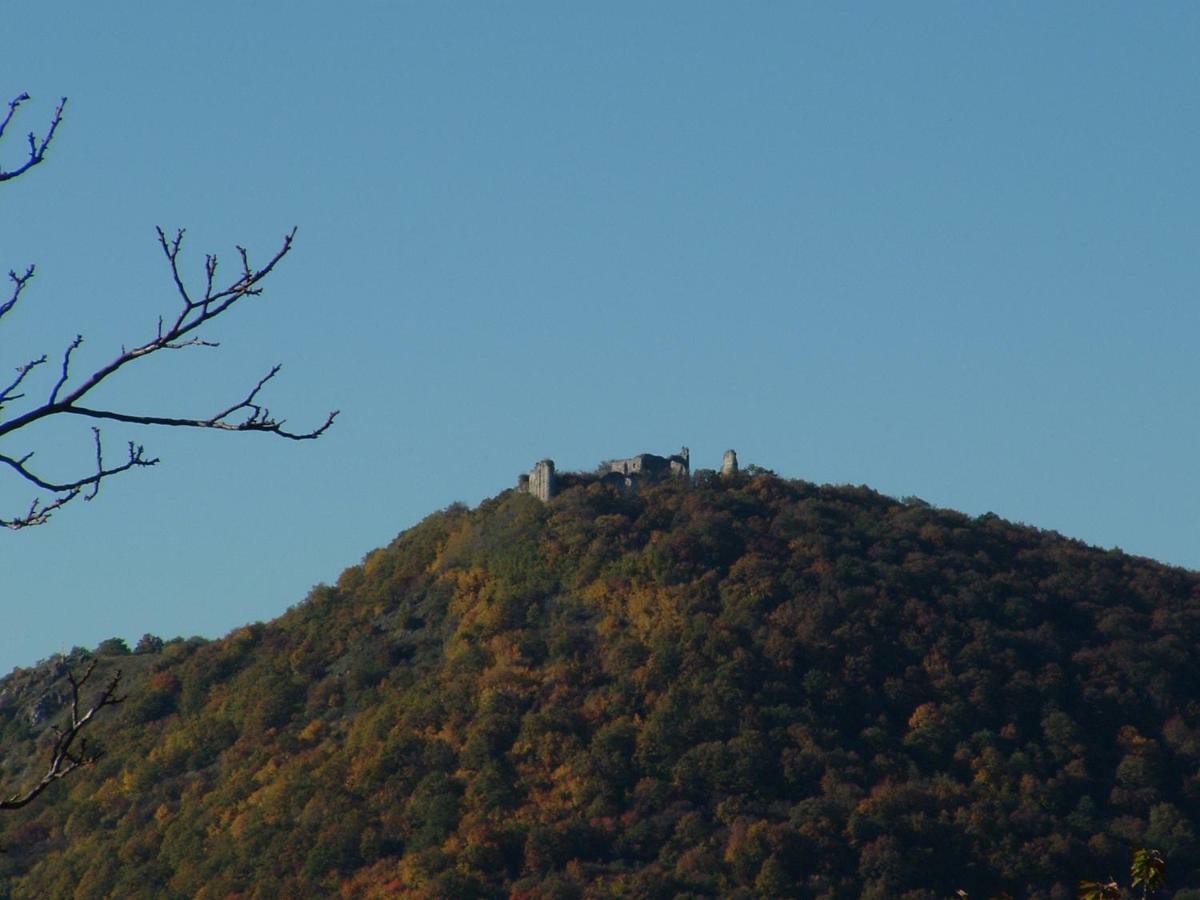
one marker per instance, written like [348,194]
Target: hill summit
[735,686]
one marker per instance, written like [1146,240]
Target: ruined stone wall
[729,464]
[636,465]
[541,480]
[650,464]
[623,474]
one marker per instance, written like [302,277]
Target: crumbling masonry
[624,474]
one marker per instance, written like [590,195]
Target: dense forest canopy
[739,687]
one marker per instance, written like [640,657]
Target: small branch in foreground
[68,395]
[19,282]
[7,395]
[65,757]
[39,511]
[37,147]
[259,418]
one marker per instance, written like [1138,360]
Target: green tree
[113,646]
[149,643]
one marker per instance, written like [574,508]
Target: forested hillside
[750,687]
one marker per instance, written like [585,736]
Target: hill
[736,687]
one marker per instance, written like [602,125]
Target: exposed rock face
[729,464]
[44,707]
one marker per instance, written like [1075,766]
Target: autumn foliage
[751,687]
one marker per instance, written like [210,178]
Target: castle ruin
[541,481]
[729,465]
[626,475]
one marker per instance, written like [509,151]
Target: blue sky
[945,250]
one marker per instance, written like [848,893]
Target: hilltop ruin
[624,474]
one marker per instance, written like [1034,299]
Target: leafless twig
[19,282]
[37,146]
[65,756]
[66,398]
[71,395]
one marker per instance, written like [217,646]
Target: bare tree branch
[19,282]
[40,511]
[65,757]
[137,457]
[7,394]
[192,315]
[69,395]
[37,147]
[66,367]
[259,418]
[66,397]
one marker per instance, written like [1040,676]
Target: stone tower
[729,464]
[541,480]
[681,463]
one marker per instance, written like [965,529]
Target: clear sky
[945,250]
